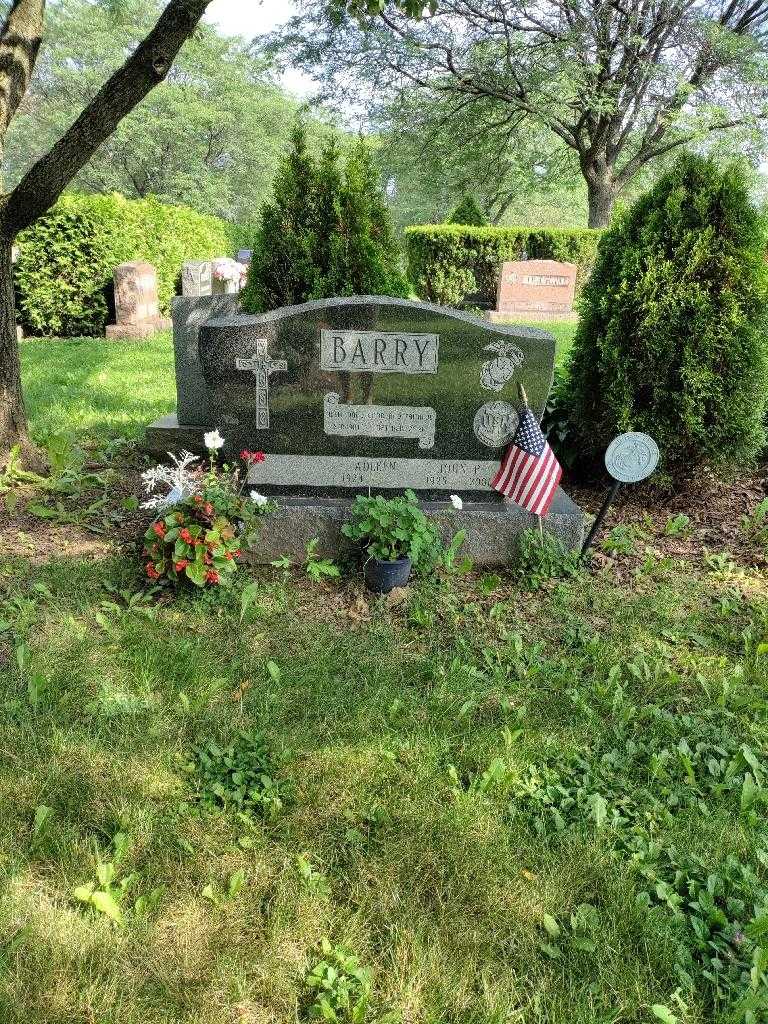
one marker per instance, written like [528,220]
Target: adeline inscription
[378,352]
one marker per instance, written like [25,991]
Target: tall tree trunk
[13,417]
[601,192]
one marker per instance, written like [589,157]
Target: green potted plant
[396,536]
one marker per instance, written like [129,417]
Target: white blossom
[213,440]
[260,500]
[457,502]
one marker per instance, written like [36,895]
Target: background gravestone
[537,287]
[137,312]
[196,278]
[365,392]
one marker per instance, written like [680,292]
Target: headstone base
[491,525]
[146,329]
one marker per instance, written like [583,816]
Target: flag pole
[524,400]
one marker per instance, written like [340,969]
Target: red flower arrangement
[201,536]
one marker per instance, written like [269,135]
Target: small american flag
[529,472]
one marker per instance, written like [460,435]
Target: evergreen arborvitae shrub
[673,327]
[325,232]
[469,212]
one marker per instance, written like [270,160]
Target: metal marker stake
[630,458]
[600,516]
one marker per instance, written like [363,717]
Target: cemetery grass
[405,741]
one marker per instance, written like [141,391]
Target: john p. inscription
[345,420]
[378,352]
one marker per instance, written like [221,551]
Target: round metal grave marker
[631,457]
[495,424]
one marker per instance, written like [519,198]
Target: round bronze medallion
[495,424]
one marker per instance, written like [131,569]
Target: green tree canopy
[325,231]
[673,335]
[210,136]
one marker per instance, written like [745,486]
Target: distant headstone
[538,287]
[137,313]
[196,278]
[245,256]
[348,394]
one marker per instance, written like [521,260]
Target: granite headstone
[364,392]
[538,287]
[137,312]
[197,278]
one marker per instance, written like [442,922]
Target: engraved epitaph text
[403,421]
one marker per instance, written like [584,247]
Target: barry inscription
[403,421]
[378,352]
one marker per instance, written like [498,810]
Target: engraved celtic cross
[261,366]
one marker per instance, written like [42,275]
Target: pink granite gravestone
[536,287]
[136,307]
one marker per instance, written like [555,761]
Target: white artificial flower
[213,440]
[457,502]
[260,500]
[180,480]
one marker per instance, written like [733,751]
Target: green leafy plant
[235,885]
[755,525]
[677,526]
[392,528]
[543,556]
[200,536]
[106,894]
[241,776]
[576,932]
[319,568]
[339,990]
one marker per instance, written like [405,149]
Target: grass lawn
[511,798]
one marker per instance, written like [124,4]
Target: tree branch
[148,65]
[20,39]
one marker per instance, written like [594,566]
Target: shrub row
[449,263]
[63,274]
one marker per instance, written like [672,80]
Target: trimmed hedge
[449,263]
[63,274]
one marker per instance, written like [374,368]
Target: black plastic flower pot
[381,577]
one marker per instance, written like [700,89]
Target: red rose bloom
[186,536]
[159,528]
[181,565]
[238,553]
[152,571]
[257,456]
[228,556]
[211,576]
[208,509]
